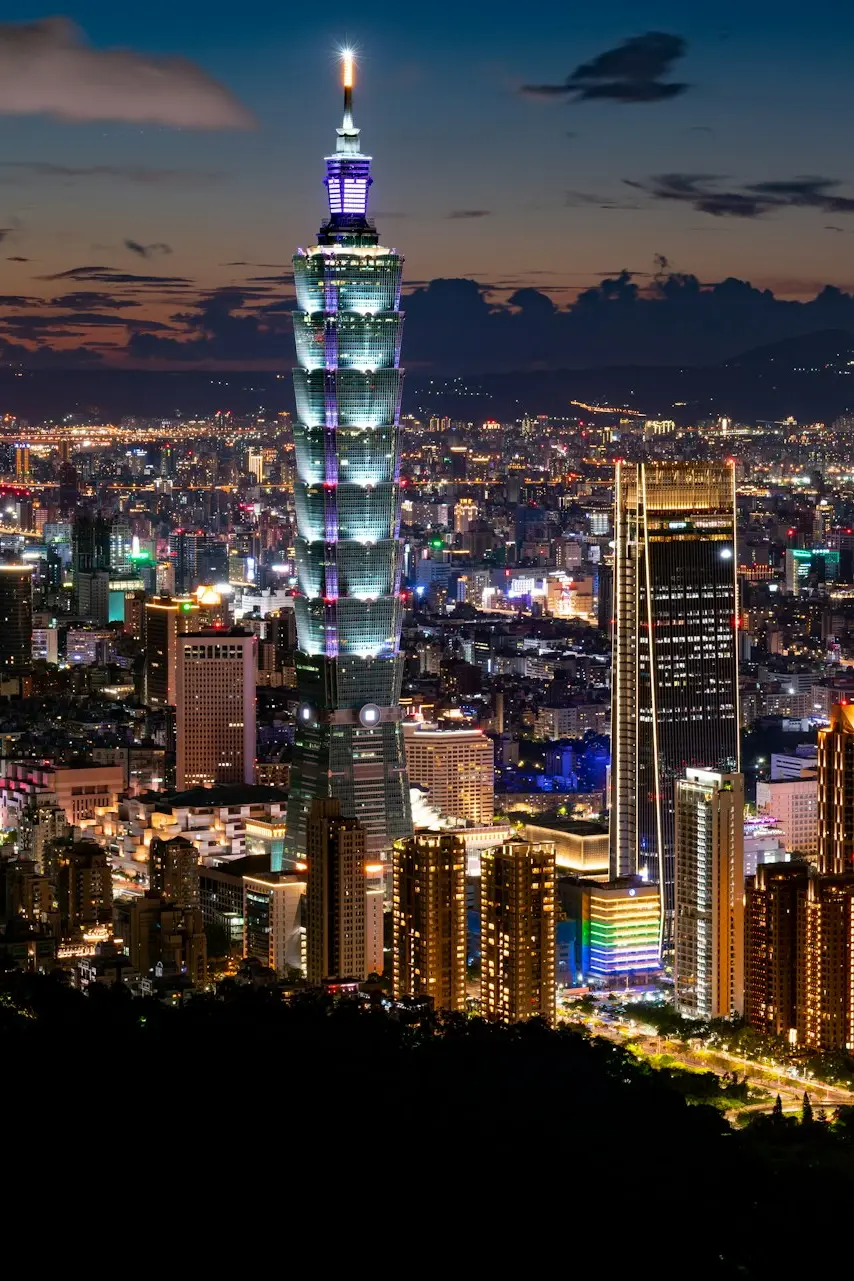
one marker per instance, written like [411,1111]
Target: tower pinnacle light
[348,609]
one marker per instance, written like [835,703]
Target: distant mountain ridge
[810,377]
[824,346]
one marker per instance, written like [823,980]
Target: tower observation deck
[348,327]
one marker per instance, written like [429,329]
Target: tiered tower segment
[348,327]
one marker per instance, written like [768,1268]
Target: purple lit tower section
[348,328]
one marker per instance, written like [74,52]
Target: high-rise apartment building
[708,972]
[215,708]
[429,905]
[815,956]
[456,766]
[16,619]
[336,932]
[674,697]
[517,931]
[825,985]
[836,791]
[163,621]
[84,888]
[349,553]
[173,870]
[771,946]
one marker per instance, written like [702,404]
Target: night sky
[522,147]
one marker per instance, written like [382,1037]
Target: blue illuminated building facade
[348,326]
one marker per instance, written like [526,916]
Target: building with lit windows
[273,920]
[349,610]
[708,971]
[825,985]
[771,946]
[793,802]
[674,696]
[429,906]
[163,621]
[184,555]
[337,895]
[16,619]
[456,766]
[167,941]
[804,563]
[616,926]
[173,870]
[800,919]
[836,791]
[517,931]
[255,464]
[215,709]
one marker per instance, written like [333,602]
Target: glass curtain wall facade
[674,697]
[348,326]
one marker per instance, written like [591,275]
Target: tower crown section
[348,173]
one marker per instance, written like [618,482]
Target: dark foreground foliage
[230,1122]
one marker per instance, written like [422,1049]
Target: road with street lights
[772,1078]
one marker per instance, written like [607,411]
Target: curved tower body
[348,327]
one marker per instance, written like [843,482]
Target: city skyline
[479,760]
[666,150]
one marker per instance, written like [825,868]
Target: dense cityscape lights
[482,750]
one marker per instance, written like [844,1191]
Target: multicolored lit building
[616,932]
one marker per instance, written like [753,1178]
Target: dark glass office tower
[348,328]
[674,695]
[16,619]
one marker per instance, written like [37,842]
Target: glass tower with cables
[674,677]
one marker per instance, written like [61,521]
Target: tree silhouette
[806,1110]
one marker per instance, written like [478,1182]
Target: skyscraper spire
[348,171]
[347,77]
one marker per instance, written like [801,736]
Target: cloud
[147,251]
[469,213]
[751,200]
[657,316]
[218,330]
[631,72]
[37,325]
[286,278]
[90,300]
[4,232]
[111,276]
[47,68]
[15,170]
[574,199]
[17,258]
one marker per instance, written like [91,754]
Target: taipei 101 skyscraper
[349,611]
